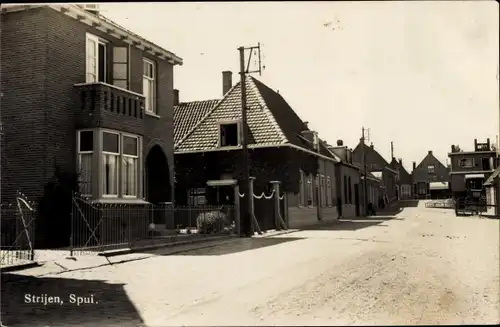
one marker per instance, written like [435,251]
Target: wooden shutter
[121,67]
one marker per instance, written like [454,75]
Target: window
[95,59]
[430,169]
[119,159]
[197,196]
[229,134]
[346,196]
[349,184]
[322,191]
[317,191]
[328,191]
[148,85]
[485,163]
[466,163]
[121,67]
[110,156]
[310,190]
[130,165]
[85,143]
[302,189]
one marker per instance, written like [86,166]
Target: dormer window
[229,133]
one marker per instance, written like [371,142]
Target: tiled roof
[271,121]
[188,114]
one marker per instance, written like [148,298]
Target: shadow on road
[240,245]
[346,225]
[111,305]
[408,203]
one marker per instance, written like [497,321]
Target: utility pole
[365,173]
[246,217]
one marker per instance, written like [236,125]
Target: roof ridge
[267,111]
[231,90]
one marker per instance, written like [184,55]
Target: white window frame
[302,189]
[431,169]
[328,191]
[463,160]
[79,157]
[229,122]
[118,166]
[150,105]
[97,40]
[310,190]
[122,170]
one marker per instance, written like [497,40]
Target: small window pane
[130,145]
[86,141]
[120,71]
[121,83]
[110,142]
[120,54]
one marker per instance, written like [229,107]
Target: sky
[423,75]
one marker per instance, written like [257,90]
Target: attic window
[229,134]
[430,169]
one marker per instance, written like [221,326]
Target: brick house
[281,147]
[430,178]
[404,181]
[95,100]
[471,169]
[380,169]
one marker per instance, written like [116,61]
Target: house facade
[404,181]
[380,169]
[96,100]
[281,148]
[471,169]
[430,178]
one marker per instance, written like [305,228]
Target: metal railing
[97,227]
[17,232]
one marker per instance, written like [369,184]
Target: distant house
[404,181]
[281,147]
[430,178]
[379,168]
[492,186]
[470,169]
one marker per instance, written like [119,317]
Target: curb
[113,253]
[21,267]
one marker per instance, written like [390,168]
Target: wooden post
[237,220]
[278,219]
[254,223]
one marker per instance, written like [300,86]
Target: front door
[356,198]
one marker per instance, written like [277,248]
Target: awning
[438,186]
[492,177]
[222,182]
[377,174]
[471,176]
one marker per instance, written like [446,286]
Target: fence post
[71,226]
[237,209]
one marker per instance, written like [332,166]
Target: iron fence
[97,227]
[17,233]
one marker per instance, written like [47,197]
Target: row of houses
[86,100]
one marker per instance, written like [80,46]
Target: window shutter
[121,67]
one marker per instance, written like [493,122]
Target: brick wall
[42,57]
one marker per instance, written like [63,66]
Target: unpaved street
[424,266]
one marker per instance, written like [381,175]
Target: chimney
[227,81]
[400,162]
[452,148]
[176,97]
[414,165]
[371,145]
[340,143]
[430,152]
[475,144]
[306,124]
[488,142]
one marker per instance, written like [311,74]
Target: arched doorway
[158,188]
